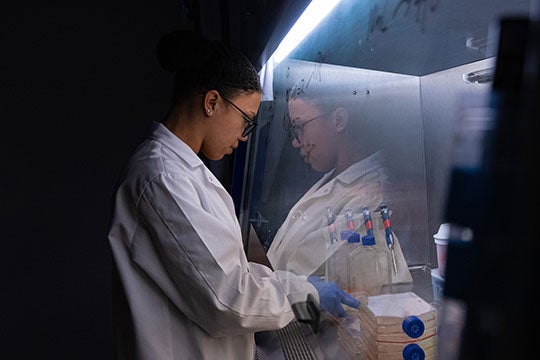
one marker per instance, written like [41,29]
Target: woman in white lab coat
[183,286]
[334,138]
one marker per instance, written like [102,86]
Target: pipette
[367,221]
[349,219]
[385,213]
[330,218]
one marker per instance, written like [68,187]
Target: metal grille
[294,343]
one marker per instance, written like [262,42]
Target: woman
[336,140]
[185,287]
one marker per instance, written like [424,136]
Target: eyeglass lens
[250,122]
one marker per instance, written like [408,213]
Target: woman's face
[228,123]
[315,134]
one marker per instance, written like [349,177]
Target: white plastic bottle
[368,268]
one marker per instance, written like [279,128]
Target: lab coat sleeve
[188,243]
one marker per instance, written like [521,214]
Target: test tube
[367,221]
[385,213]
[330,218]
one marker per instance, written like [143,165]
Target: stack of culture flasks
[391,327]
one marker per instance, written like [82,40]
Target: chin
[319,169]
[213,157]
[218,156]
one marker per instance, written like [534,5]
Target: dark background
[80,87]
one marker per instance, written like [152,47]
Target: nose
[296,142]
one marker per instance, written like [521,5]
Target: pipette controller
[385,213]
[349,219]
[330,218]
[367,221]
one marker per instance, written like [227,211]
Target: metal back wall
[405,61]
[389,107]
[414,117]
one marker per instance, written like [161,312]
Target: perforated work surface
[294,343]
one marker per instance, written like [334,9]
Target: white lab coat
[186,290]
[302,244]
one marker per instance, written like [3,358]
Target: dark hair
[316,93]
[329,95]
[201,65]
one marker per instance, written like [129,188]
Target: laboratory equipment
[331,218]
[368,222]
[391,326]
[385,214]
[349,219]
[367,268]
[441,243]
[336,265]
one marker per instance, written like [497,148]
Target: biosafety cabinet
[408,71]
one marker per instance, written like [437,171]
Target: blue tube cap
[413,352]
[413,326]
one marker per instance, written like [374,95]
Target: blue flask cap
[413,352]
[413,326]
[368,240]
[350,236]
[344,235]
[354,238]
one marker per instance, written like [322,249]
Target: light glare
[316,11]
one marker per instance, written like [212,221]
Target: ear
[341,119]
[210,100]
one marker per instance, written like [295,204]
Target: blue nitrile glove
[331,297]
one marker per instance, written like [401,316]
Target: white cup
[441,241]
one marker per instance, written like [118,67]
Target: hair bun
[173,47]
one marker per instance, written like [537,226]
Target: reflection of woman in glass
[335,140]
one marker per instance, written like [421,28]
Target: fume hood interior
[411,66]
[413,69]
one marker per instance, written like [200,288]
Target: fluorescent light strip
[316,11]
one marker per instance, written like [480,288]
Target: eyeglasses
[250,123]
[297,130]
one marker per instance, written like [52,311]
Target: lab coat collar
[352,173]
[326,184]
[163,135]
